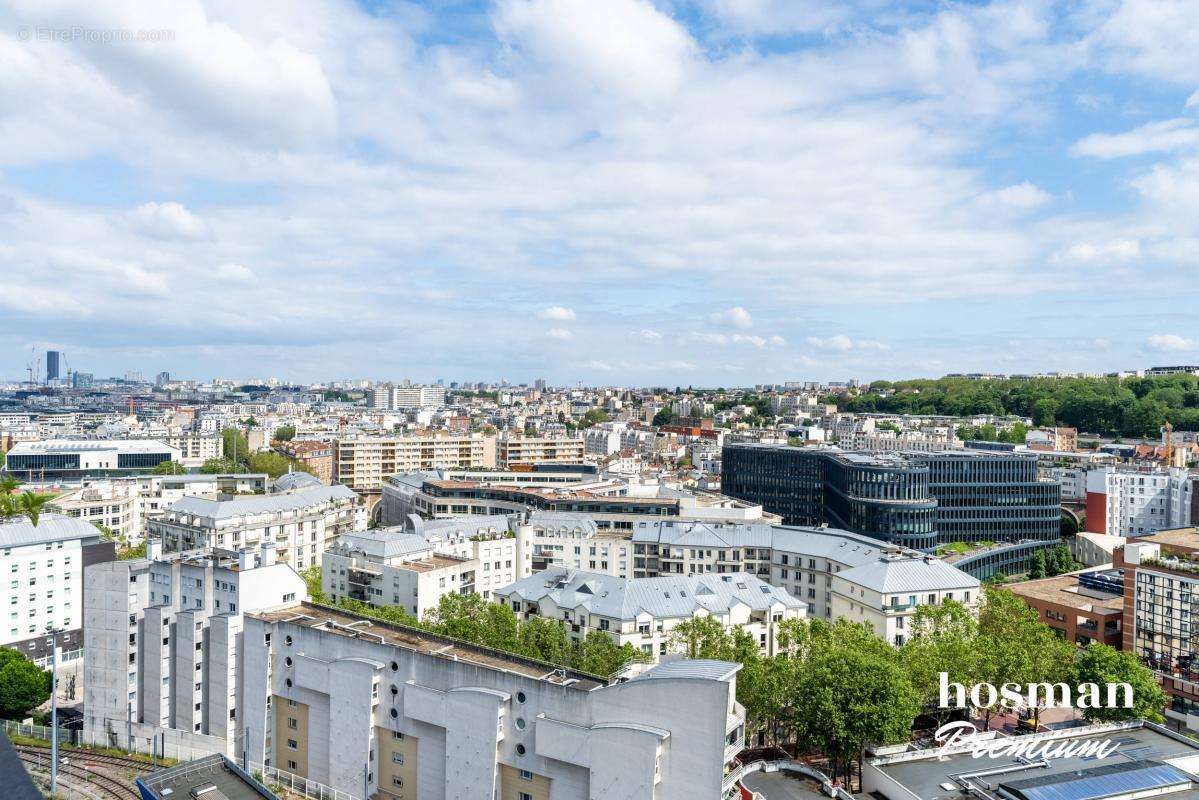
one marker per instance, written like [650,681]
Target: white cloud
[735,317]
[1155,137]
[557,313]
[1115,250]
[168,221]
[649,335]
[1170,341]
[758,341]
[561,334]
[709,338]
[1023,195]
[234,272]
[626,47]
[836,342]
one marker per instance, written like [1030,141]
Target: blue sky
[717,192]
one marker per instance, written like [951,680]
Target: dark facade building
[52,365]
[917,500]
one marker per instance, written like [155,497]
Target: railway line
[76,766]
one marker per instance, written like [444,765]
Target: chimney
[154,549]
[267,557]
[245,559]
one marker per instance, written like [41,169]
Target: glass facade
[918,500]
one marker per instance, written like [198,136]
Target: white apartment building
[412,567]
[566,539]
[517,449]
[886,592]
[163,642]
[1132,502]
[381,710]
[643,612]
[41,570]
[362,462]
[298,524]
[387,396]
[196,448]
[603,439]
[124,505]
[805,562]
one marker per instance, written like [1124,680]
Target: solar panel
[1098,782]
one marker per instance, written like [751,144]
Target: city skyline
[703,193]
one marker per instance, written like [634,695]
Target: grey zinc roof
[626,598]
[830,543]
[295,480]
[385,543]
[554,520]
[458,527]
[702,534]
[261,504]
[705,668]
[908,575]
[18,531]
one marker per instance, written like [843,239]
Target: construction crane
[1168,441]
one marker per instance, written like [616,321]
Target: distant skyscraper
[81,380]
[52,357]
[162,379]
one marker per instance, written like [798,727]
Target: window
[292,766]
[396,735]
[397,758]
[292,724]
[525,775]
[525,796]
[292,744]
[397,781]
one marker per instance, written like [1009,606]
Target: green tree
[545,639]
[8,498]
[221,466]
[312,579]
[701,637]
[1044,411]
[273,464]
[23,685]
[1016,647]
[852,698]
[168,468]
[1036,565]
[943,638]
[31,504]
[285,433]
[599,654]
[473,619]
[236,446]
[663,417]
[593,417]
[1100,664]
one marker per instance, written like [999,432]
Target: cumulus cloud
[557,313]
[735,317]
[561,334]
[1170,341]
[1155,137]
[837,342]
[1023,195]
[168,221]
[234,272]
[649,335]
[1090,252]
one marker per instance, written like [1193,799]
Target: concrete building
[395,398]
[124,505]
[527,450]
[298,524]
[383,710]
[412,568]
[643,612]
[163,642]
[1082,607]
[1127,501]
[196,448]
[314,456]
[79,458]
[362,462]
[1161,575]
[42,570]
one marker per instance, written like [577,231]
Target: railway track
[76,767]
[76,755]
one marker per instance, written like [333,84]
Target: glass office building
[917,500]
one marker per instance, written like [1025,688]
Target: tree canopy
[1108,406]
[168,468]
[23,685]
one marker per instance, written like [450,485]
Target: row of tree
[470,618]
[1110,406]
[836,687]
[238,458]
